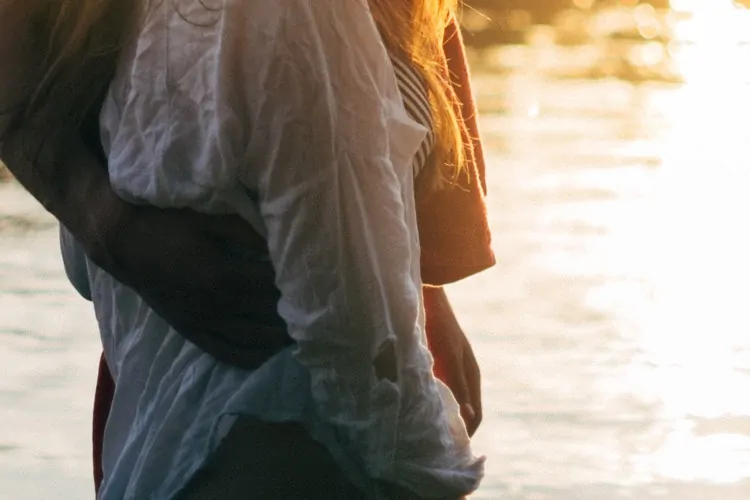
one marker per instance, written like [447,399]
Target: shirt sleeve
[329,158]
[75,263]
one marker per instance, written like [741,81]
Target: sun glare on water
[697,332]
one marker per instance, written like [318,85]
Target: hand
[455,363]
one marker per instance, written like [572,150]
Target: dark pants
[270,461]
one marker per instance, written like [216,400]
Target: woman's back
[291,116]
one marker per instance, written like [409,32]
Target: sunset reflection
[617,358]
[697,333]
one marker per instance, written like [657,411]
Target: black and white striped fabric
[417,104]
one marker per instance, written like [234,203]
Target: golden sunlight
[696,332]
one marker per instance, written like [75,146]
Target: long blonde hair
[81,41]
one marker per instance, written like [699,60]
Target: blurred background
[613,333]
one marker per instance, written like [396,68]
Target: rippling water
[613,335]
[48,357]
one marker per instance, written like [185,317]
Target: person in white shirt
[293,115]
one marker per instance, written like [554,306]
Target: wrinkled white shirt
[286,112]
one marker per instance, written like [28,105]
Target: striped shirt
[417,103]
